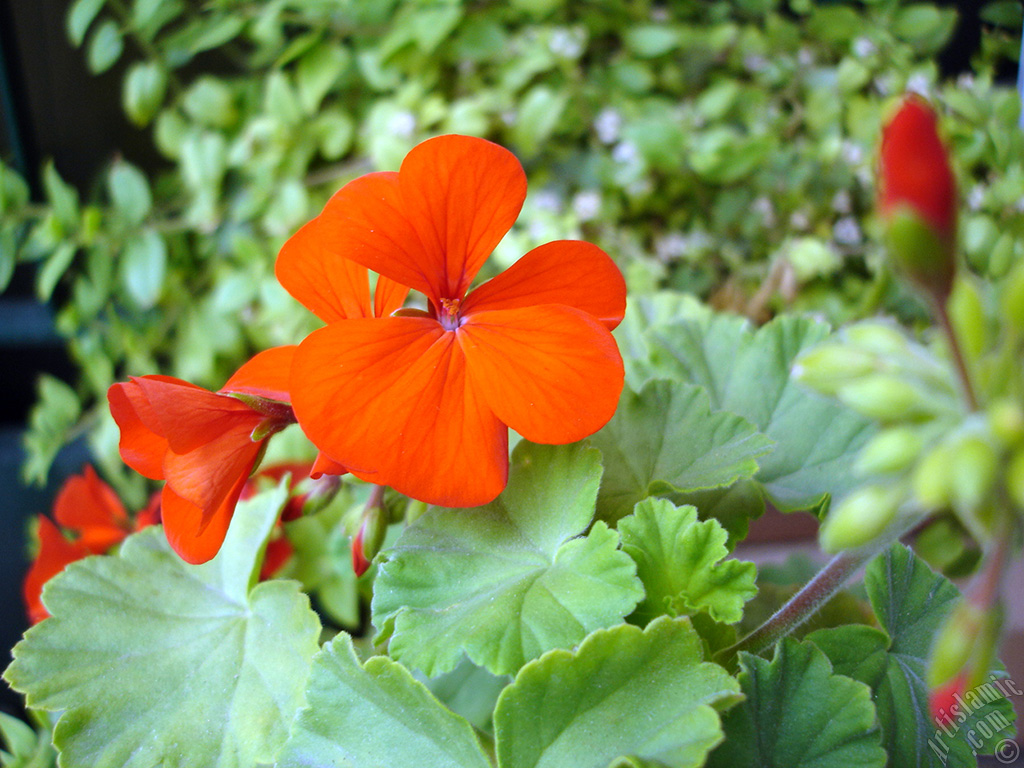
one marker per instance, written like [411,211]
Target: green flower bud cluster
[931,453]
[966,643]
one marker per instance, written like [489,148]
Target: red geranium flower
[89,508]
[203,444]
[424,403]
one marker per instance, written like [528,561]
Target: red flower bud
[944,698]
[359,562]
[917,197]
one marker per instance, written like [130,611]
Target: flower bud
[972,472]
[955,643]
[368,539]
[889,451]
[884,397]
[931,481]
[917,198]
[859,518]
[1015,478]
[879,338]
[828,367]
[1006,420]
[944,700]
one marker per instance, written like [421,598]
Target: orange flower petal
[265,375]
[191,416]
[329,285]
[206,475]
[325,465]
[569,272]
[55,552]
[552,373]
[195,536]
[432,225]
[88,505]
[141,448]
[390,397]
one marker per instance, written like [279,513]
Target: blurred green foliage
[723,148]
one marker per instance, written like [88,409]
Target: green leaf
[625,697]
[105,47]
[153,661]
[144,267]
[679,560]
[143,91]
[53,416]
[538,116]
[510,580]
[80,16]
[25,748]
[375,714]
[129,192]
[665,440]
[53,270]
[317,71]
[798,714]
[63,197]
[469,691]
[748,373]
[910,602]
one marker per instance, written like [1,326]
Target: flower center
[449,316]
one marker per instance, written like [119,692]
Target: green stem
[959,361]
[802,605]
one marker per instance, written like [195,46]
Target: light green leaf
[748,373]
[80,16]
[318,70]
[665,440]
[144,267]
[24,747]
[799,714]
[153,661]
[105,47]
[510,580]
[680,561]
[375,714]
[143,91]
[625,697]
[62,196]
[910,602]
[129,192]
[53,270]
[539,112]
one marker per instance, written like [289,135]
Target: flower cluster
[419,399]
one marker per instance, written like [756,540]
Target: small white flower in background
[566,43]
[1019,205]
[976,197]
[547,200]
[755,62]
[508,117]
[607,125]
[919,84]
[625,152]
[671,246]
[586,205]
[965,81]
[799,221]
[805,57]
[660,13]
[402,124]
[640,187]
[863,47]
[841,202]
[851,152]
[764,208]
[883,84]
[847,231]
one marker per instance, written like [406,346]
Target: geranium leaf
[666,440]
[679,559]
[510,580]
[375,714]
[910,602]
[798,714]
[625,697]
[154,661]
[748,373]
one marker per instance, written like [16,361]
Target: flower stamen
[449,316]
